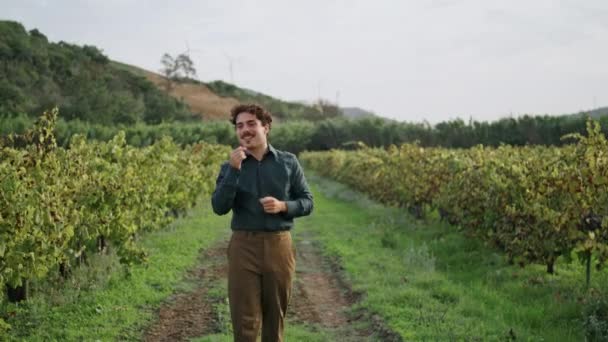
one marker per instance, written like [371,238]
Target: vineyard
[59,205]
[535,203]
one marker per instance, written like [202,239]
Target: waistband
[259,232]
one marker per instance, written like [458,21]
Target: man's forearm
[225,190]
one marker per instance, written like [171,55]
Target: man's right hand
[237,156]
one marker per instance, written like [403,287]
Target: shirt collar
[272,150]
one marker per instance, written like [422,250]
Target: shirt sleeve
[223,196]
[301,200]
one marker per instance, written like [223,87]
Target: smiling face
[250,131]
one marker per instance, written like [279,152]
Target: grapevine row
[535,203]
[58,204]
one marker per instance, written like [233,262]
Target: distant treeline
[297,136]
[376,132]
[36,75]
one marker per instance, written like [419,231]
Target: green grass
[106,304]
[430,282]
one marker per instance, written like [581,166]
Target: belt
[259,232]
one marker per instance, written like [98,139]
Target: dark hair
[262,114]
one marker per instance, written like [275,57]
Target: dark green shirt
[279,175]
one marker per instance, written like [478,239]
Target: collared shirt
[279,175]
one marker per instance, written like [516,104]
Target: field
[383,276]
[119,243]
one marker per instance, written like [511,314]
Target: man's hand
[237,156]
[273,205]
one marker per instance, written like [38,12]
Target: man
[266,190]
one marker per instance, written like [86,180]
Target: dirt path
[323,297]
[318,295]
[191,314]
[320,298]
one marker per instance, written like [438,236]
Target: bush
[595,318]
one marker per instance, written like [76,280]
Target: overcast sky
[419,60]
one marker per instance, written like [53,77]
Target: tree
[186,65]
[176,68]
[169,69]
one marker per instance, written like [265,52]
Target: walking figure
[266,189]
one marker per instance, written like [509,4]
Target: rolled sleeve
[301,199]
[225,189]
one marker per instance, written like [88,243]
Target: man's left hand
[273,205]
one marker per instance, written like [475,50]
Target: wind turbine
[188,51]
[231,61]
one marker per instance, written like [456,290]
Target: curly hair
[262,114]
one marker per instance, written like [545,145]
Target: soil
[201,100]
[317,296]
[190,314]
[320,297]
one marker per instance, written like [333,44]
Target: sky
[424,60]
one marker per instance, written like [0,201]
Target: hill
[36,74]
[202,102]
[595,113]
[85,84]
[282,110]
[357,113]
[213,100]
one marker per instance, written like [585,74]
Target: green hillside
[281,109]
[597,113]
[36,74]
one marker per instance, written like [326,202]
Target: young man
[266,190]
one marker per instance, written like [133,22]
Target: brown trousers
[261,266]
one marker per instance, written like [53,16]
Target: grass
[102,302]
[430,282]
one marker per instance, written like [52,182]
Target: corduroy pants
[261,266]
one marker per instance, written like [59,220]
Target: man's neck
[259,152]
